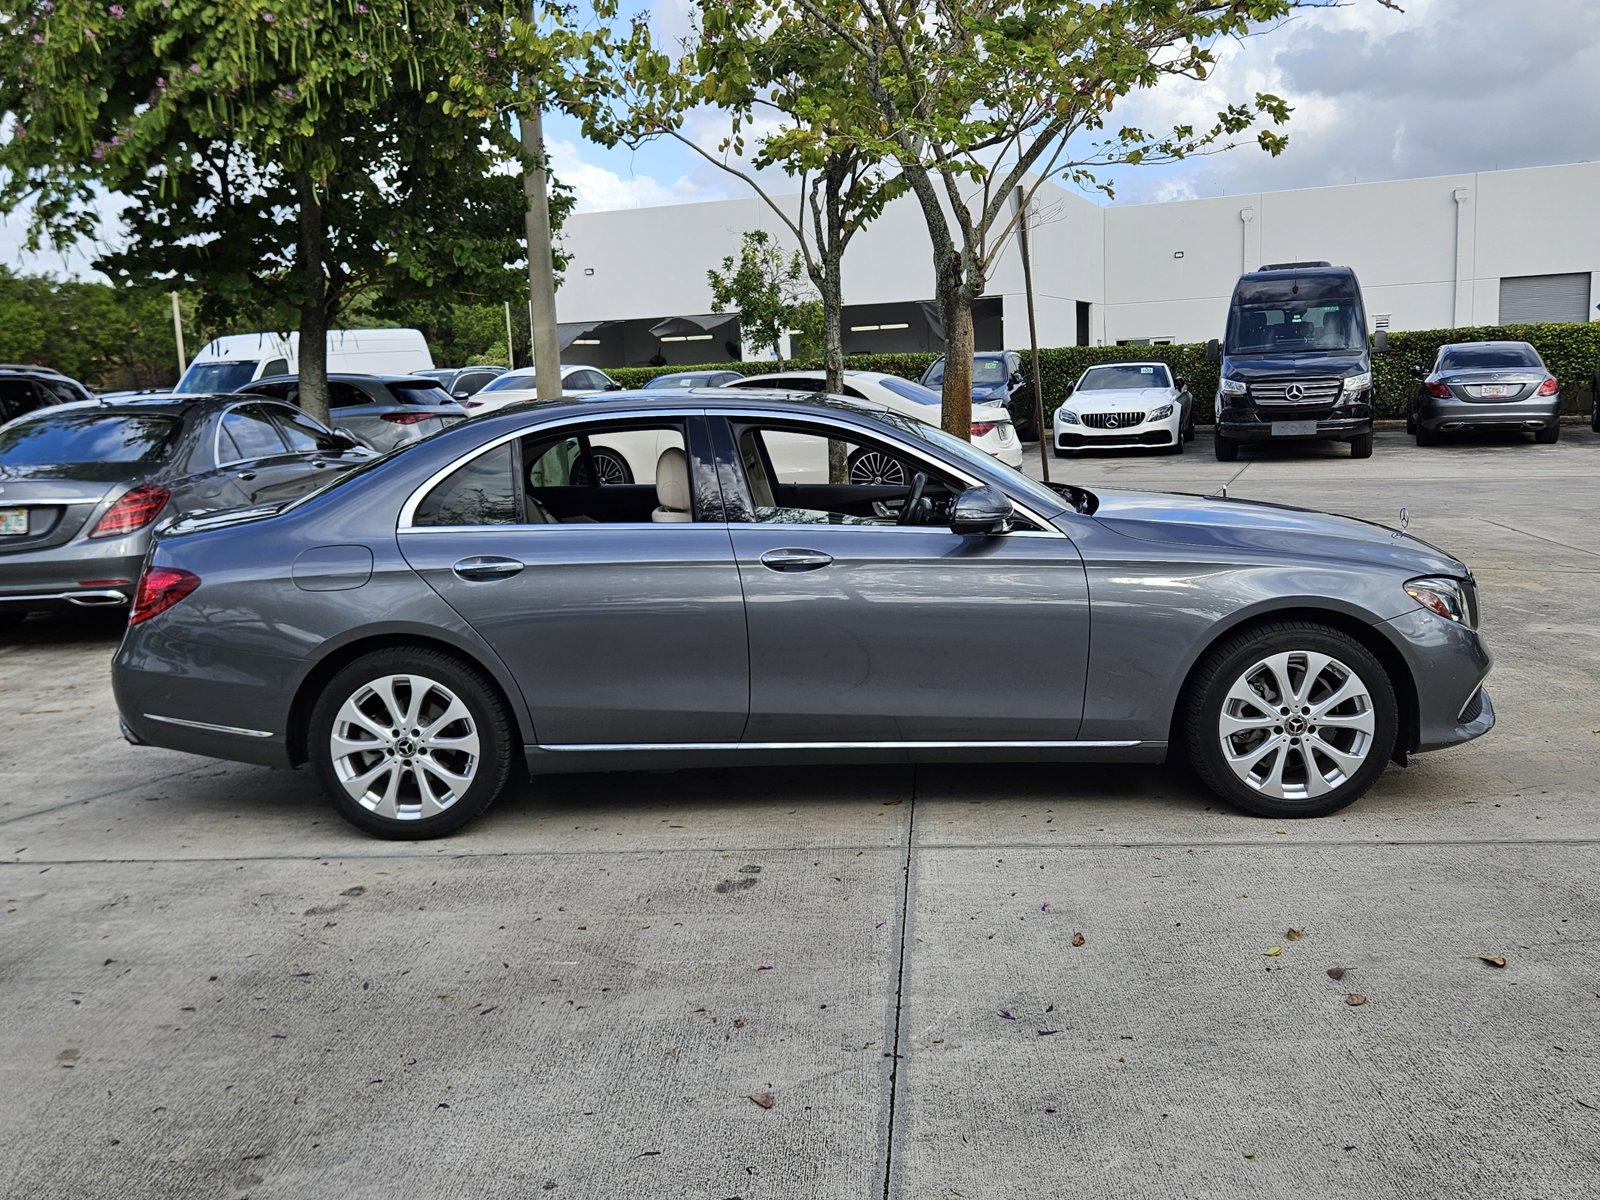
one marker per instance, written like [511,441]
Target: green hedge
[1572,352]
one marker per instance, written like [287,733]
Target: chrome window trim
[594,747]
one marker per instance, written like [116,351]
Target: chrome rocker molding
[208,727]
[84,598]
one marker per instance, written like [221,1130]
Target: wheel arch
[1370,636]
[335,660]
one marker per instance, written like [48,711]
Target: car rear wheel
[411,743]
[1426,437]
[1293,719]
[1227,451]
[1548,437]
[612,468]
[11,618]
[874,467]
[1361,446]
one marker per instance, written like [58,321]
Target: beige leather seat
[672,487]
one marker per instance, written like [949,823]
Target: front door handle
[795,560]
[247,476]
[486,567]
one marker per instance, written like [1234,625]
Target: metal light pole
[177,334]
[541,265]
[1023,219]
[511,354]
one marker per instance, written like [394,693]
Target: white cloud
[599,189]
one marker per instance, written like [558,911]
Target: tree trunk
[314,303]
[546,346]
[955,315]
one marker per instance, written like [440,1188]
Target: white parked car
[514,387]
[1132,404]
[991,423]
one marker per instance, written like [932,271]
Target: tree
[756,62]
[285,157]
[979,100]
[764,287]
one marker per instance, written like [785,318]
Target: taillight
[1437,390]
[1549,387]
[405,418]
[136,509]
[159,589]
[979,428]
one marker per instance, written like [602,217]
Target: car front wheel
[1227,451]
[411,743]
[1290,720]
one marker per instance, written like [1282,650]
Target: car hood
[1118,399]
[1304,362]
[1252,525]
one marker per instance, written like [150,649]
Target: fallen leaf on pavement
[1078,939]
[1336,972]
[1354,1000]
[1006,1015]
[764,1099]
[1294,935]
[1494,960]
[1272,952]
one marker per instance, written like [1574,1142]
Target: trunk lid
[55,502]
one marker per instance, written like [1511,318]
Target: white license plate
[1294,429]
[13,521]
[1491,391]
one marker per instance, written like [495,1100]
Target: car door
[864,630]
[622,629]
[322,453]
[251,448]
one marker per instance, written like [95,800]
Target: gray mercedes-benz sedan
[1486,385]
[429,625]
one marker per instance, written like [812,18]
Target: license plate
[1294,429]
[13,521]
[1492,390]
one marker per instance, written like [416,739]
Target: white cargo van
[228,363]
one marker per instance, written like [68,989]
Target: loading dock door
[1535,299]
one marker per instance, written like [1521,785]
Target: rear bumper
[1441,416]
[77,575]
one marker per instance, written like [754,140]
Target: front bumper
[1152,434]
[1438,415]
[1243,420]
[1448,663]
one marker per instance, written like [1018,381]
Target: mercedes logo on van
[1294,392]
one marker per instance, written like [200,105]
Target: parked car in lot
[997,378]
[692,379]
[226,364]
[1486,385]
[991,424]
[1295,360]
[380,411]
[515,387]
[1121,405]
[463,382]
[82,485]
[25,388]
[427,627]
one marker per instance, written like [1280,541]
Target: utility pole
[1023,219]
[511,354]
[541,265]
[177,334]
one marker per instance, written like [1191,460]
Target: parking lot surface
[214,987]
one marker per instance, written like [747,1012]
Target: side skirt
[550,760]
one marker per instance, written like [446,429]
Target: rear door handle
[247,476]
[483,568]
[795,560]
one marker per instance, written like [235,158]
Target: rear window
[913,392]
[430,394]
[1460,358]
[502,382]
[90,438]
[216,377]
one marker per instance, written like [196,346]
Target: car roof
[849,373]
[33,369]
[172,404]
[1300,271]
[346,377]
[798,403]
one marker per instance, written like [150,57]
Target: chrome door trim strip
[592,747]
[208,727]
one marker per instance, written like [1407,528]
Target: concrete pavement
[213,987]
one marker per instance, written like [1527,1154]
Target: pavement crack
[893,1129]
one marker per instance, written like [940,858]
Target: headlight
[1065,416]
[1232,387]
[1160,414]
[1444,597]
[1355,384]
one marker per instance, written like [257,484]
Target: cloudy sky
[1447,85]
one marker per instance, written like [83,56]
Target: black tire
[1361,446]
[496,736]
[1548,437]
[1200,712]
[1426,437]
[1411,421]
[1594,414]
[1188,430]
[11,618]
[1226,449]
[1177,445]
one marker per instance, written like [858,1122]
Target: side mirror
[1418,371]
[1380,341]
[1067,391]
[1180,383]
[349,440]
[1213,351]
[981,510]
[613,387]
[461,393]
[1016,378]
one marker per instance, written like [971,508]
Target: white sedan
[1130,404]
[516,386]
[991,423]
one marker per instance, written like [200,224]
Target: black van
[1295,362]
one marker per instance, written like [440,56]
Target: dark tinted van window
[1295,324]
[90,438]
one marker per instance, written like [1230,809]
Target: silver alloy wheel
[1297,725]
[610,466]
[404,747]
[876,467]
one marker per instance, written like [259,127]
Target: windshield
[1466,358]
[1281,326]
[89,438]
[1125,377]
[986,372]
[907,390]
[677,381]
[216,377]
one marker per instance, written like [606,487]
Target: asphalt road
[211,986]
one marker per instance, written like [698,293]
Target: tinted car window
[247,433]
[1108,379]
[482,492]
[216,377]
[347,395]
[90,438]
[502,382]
[913,392]
[302,433]
[278,366]
[472,381]
[1460,358]
[62,391]
[1302,324]
[16,397]
[428,394]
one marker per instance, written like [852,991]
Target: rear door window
[247,432]
[303,434]
[482,492]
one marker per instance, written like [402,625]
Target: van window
[201,378]
[1295,323]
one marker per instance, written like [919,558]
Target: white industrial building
[1494,247]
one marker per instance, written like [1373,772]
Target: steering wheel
[913,505]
